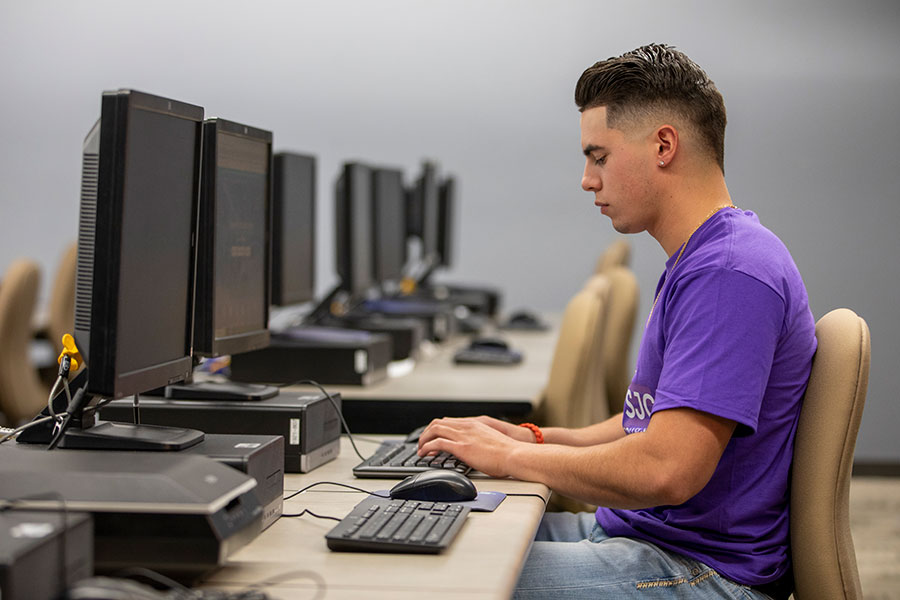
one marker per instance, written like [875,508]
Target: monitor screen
[134,282]
[446,212]
[389,229]
[232,308]
[293,229]
[423,211]
[353,229]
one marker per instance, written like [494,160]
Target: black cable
[354,488]
[321,585]
[311,513]
[336,409]
[158,579]
[541,498]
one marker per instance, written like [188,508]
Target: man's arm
[598,433]
[665,465]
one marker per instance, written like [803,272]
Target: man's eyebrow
[590,148]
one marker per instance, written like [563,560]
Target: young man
[692,478]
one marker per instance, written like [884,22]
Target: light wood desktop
[437,387]
[483,562]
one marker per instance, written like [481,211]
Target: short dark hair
[651,78]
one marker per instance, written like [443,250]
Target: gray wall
[485,87]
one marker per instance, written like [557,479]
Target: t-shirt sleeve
[721,328]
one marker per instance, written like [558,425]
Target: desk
[483,562]
[437,387]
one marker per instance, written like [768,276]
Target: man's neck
[686,207]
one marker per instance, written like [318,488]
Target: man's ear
[666,144]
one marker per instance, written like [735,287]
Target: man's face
[618,168]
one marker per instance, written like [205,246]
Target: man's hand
[483,443]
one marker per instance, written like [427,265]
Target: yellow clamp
[407,286]
[70,350]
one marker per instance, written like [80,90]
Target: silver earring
[662,163]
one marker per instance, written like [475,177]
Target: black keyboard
[399,459]
[383,525]
[481,356]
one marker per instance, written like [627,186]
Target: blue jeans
[572,557]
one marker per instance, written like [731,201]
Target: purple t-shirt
[731,335]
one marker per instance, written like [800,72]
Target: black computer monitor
[231,312]
[388,226]
[423,213]
[293,229]
[446,212]
[135,275]
[353,229]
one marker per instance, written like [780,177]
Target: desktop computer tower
[406,333]
[306,420]
[259,456]
[42,552]
[179,514]
[438,317]
[326,355]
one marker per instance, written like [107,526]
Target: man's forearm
[604,432]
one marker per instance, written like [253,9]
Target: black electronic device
[383,525]
[305,419]
[42,552]
[135,275]
[406,333]
[389,230]
[293,229]
[231,309]
[423,213]
[401,459]
[328,355]
[525,320]
[176,513]
[353,229]
[446,227]
[435,485]
[259,456]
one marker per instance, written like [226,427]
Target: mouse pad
[483,502]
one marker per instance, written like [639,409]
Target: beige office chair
[575,392]
[61,304]
[620,319]
[821,544]
[617,254]
[21,394]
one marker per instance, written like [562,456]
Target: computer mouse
[524,318]
[488,343]
[435,485]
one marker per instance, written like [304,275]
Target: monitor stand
[80,429]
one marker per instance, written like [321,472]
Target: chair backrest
[617,254]
[621,315]
[21,393]
[61,305]
[575,393]
[821,544]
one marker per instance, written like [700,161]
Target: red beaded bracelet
[538,435]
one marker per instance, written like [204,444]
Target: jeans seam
[658,583]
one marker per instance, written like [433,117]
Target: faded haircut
[653,79]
